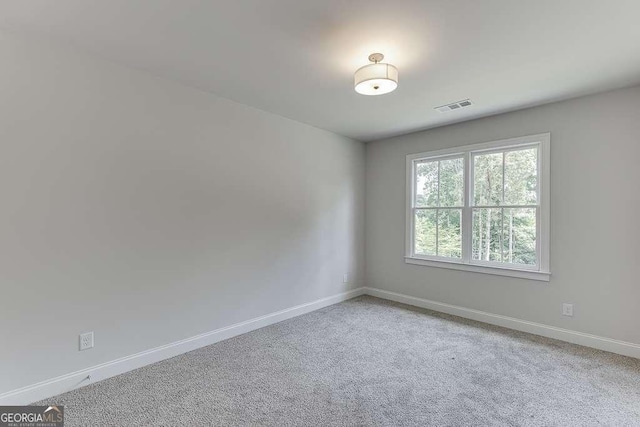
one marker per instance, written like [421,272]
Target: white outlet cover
[86,341]
[345,278]
[567,309]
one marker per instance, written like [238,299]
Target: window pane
[425,232]
[487,177]
[520,177]
[427,184]
[451,182]
[449,236]
[487,230]
[519,236]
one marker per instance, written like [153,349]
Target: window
[482,208]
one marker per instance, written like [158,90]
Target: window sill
[499,271]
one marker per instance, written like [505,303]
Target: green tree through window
[439,201]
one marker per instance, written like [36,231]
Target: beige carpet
[371,362]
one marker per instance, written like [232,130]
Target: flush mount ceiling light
[376,78]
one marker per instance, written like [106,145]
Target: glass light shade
[376,79]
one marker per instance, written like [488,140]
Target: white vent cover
[454,106]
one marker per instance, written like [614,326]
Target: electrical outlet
[86,341]
[567,309]
[345,278]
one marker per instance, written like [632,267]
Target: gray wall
[149,212]
[595,206]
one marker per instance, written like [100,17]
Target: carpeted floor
[371,362]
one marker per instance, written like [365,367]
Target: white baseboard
[587,340]
[64,383]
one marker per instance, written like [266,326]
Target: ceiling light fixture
[376,78]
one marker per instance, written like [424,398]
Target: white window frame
[538,272]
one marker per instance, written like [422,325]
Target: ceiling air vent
[454,106]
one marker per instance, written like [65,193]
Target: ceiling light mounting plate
[376,57]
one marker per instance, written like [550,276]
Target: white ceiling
[296,58]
